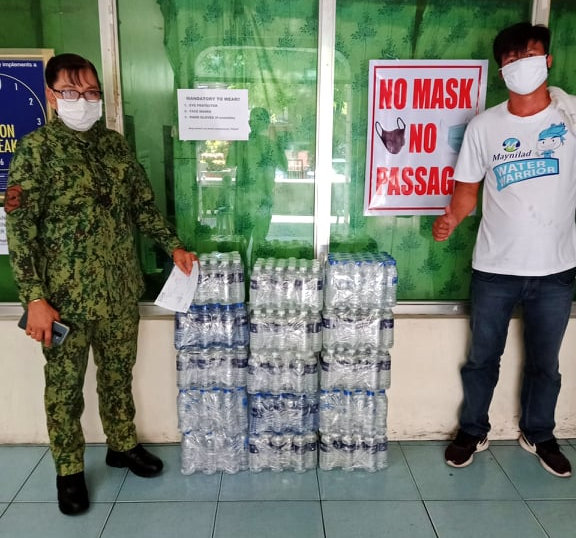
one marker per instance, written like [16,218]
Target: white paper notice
[213,115]
[3,239]
[178,292]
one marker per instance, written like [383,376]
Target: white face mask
[525,75]
[79,115]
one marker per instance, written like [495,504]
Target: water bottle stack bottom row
[212,452]
[353,452]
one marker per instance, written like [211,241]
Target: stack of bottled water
[221,279]
[286,297]
[358,332]
[355,368]
[285,283]
[361,280]
[212,363]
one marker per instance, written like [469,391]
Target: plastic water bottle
[225,326]
[328,326]
[186,368]
[326,369]
[255,456]
[209,454]
[280,452]
[255,284]
[190,452]
[369,450]
[387,327]
[298,453]
[202,379]
[290,276]
[368,413]
[299,283]
[348,449]
[230,452]
[311,453]
[346,362]
[329,285]
[254,379]
[391,282]
[256,330]
[241,325]
[314,331]
[240,366]
[384,366]
[382,452]
[327,459]
[204,320]
[310,374]
[381,411]
[372,360]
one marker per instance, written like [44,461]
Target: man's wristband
[36,300]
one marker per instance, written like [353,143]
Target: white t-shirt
[529,199]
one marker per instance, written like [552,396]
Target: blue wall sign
[22,100]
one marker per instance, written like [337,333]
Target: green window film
[405,29]
[255,196]
[563,45]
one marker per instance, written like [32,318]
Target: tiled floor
[505,493]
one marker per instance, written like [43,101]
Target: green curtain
[62,25]
[407,29]
[267,46]
[254,196]
[270,48]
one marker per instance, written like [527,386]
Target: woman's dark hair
[516,38]
[72,64]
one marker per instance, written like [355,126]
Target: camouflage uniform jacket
[74,201]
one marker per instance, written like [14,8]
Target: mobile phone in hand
[59,330]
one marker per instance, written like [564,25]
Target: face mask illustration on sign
[455,136]
[393,140]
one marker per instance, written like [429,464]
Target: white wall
[423,400]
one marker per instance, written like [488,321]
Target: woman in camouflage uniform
[76,194]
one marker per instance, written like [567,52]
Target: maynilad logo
[511,144]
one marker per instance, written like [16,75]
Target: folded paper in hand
[178,292]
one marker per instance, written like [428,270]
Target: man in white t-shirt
[525,254]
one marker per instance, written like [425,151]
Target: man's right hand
[40,318]
[444,225]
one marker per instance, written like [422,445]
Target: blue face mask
[455,136]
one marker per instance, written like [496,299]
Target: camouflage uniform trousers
[114,343]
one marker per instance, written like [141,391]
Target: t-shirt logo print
[551,138]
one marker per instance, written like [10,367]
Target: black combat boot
[72,494]
[137,459]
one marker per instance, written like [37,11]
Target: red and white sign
[418,112]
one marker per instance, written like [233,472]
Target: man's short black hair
[73,64]
[515,38]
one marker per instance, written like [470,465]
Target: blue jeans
[545,302]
